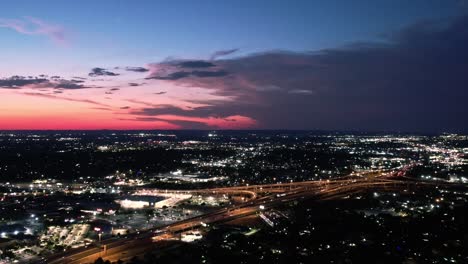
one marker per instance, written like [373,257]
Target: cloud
[42,81]
[35,26]
[179,69]
[203,117]
[204,74]
[300,91]
[49,96]
[136,69]
[228,122]
[101,72]
[195,64]
[268,88]
[222,53]
[102,108]
[16,82]
[112,90]
[162,109]
[135,101]
[170,76]
[414,80]
[66,84]
[184,74]
[156,108]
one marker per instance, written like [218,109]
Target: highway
[137,244]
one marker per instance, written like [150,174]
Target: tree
[99,261]
[135,260]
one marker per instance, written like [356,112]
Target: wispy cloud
[50,96]
[228,122]
[221,53]
[35,26]
[300,91]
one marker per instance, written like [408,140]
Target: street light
[98,230]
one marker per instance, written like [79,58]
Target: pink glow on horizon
[229,122]
[93,109]
[79,123]
[22,112]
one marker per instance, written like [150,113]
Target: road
[137,244]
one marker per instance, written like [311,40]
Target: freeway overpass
[260,197]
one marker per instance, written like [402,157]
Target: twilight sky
[368,65]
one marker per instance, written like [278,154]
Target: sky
[303,64]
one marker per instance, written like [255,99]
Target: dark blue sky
[114,30]
[279,64]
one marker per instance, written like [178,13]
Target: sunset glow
[107,65]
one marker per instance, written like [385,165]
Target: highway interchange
[258,198]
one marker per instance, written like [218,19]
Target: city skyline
[263,65]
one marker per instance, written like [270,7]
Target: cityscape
[75,197]
[247,131]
